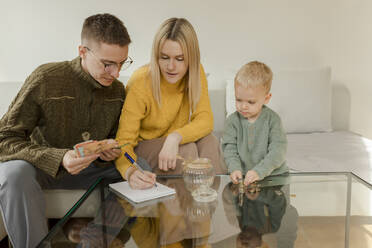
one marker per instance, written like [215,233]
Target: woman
[167,109]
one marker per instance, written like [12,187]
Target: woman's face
[172,62]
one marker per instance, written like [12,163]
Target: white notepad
[141,195]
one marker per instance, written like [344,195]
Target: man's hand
[235,176]
[110,154]
[167,155]
[250,177]
[141,180]
[73,164]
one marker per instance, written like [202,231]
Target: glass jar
[198,176]
[198,211]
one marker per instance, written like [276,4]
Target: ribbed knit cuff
[122,165]
[51,160]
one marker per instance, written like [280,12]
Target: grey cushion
[217,97]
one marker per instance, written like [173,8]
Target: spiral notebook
[141,195]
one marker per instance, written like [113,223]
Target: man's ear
[267,98]
[82,51]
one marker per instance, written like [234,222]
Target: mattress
[330,152]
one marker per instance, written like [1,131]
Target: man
[61,104]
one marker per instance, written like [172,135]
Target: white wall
[351,60]
[282,33]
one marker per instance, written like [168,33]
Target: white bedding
[330,152]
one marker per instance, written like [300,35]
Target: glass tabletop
[295,210]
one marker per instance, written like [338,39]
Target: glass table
[296,210]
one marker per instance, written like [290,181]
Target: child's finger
[234,178]
[247,181]
[239,176]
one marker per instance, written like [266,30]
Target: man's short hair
[105,28]
[254,74]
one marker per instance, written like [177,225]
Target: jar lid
[200,163]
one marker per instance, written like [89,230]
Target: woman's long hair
[181,31]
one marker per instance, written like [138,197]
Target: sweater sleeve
[201,120]
[229,146]
[276,151]
[17,125]
[134,110]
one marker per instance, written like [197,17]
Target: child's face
[250,238]
[249,101]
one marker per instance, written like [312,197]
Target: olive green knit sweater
[56,105]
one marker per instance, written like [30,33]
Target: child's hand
[235,176]
[250,177]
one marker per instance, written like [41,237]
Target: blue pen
[131,160]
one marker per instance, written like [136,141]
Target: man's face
[103,61]
[249,100]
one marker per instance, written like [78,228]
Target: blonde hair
[181,31]
[254,74]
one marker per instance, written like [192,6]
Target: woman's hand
[140,180]
[167,155]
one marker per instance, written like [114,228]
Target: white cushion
[230,97]
[302,98]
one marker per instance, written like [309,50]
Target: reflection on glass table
[298,210]
[257,212]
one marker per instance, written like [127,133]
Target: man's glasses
[112,66]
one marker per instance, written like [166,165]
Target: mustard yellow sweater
[143,119]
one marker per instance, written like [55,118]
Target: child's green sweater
[260,146]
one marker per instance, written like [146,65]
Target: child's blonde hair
[254,74]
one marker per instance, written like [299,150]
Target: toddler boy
[254,141]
